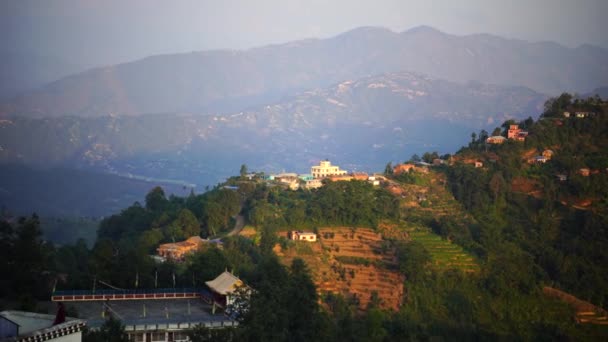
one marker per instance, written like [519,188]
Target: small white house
[373,180]
[299,235]
[313,183]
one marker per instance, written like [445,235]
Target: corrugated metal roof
[225,283]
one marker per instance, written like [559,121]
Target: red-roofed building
[401,168]
[516,133]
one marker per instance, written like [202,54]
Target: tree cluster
[336,203]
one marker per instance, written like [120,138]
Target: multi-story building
[325,169]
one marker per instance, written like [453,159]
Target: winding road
[238,225]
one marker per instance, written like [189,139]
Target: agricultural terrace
[445,254]
[356,263]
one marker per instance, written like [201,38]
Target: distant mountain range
[361,99]
[226,81]
[361,123]
[24,72]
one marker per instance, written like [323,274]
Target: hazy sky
[91,32]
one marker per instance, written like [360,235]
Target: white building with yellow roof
[325,169]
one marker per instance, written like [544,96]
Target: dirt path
[238,225]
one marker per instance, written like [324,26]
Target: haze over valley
[286,106]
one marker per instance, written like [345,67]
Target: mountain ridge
[390,114]
[221,81]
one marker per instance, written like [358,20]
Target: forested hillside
[549,216]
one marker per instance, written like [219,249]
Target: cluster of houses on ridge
[513,133]
[318,173]
[177,251]
[517,134]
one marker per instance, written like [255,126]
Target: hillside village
[313,180]
[421,188]
[502,227]
[303,171]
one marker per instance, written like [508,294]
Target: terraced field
[445,254]
[360,263]
[585,312]
[433,200]
[356,263]
[422,204]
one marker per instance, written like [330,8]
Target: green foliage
[520,241]
[412,177]
[207,264]
[267,317]
[68,230]
[413,258]
[525,241]
[556,106]
[302,302]
[73,260]
[178,218]
[511,271]
[112,330]
[218,207]
[388,170]
[243,171]
[451,305]
[187,223]
[429,157]
[156,200]
[283,305]
[529,240]
[26,260]
[336,203]
[241,254]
